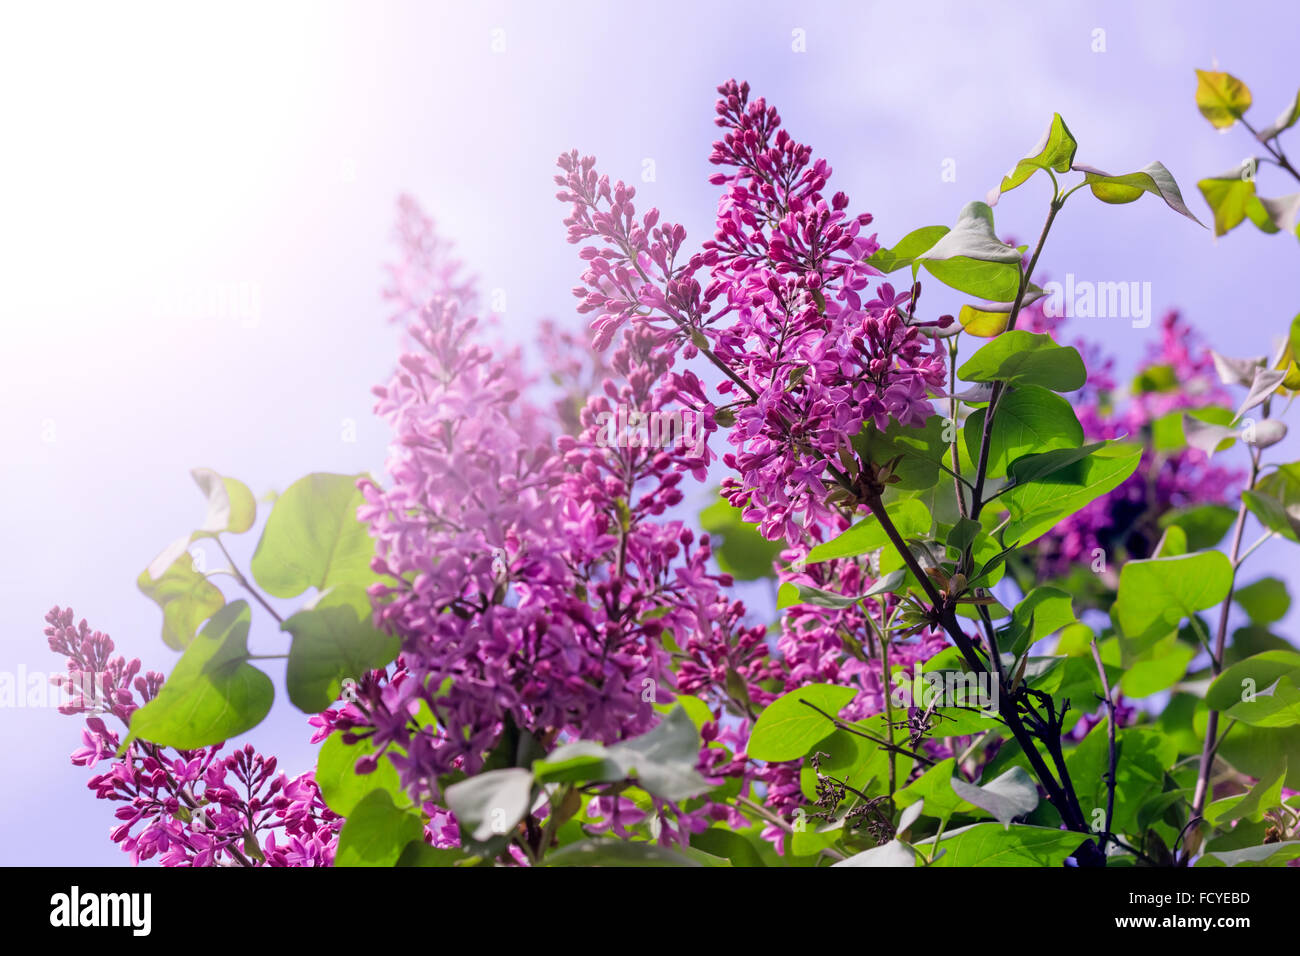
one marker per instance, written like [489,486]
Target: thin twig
[243,581]
[1114,753]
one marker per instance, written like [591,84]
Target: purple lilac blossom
[185,807]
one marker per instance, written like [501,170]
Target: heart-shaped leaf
[1127,188]
[1221,97]
[213,693]
[1054,151]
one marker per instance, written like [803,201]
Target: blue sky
[167,165]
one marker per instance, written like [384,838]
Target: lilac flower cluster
[816,362]
[805,364]
[185,807]
[427,263]
[806,361]
[535,581]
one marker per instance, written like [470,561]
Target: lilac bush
[984,633]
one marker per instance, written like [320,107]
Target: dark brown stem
[952,418]
[1279,157]
[1114,753]
[1007,706]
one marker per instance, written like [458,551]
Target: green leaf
[1162,666]
[1169,434]
[725,843]
[739,548]
[231,507]
[909,516]
[854,759]
[991,844]
[1154,179]
[1042,612]
[1145,755]
[1265,601]
[419,853]
[1014,794]
[332,642]
[1273,215]
[893,853]
[1171,543]
[1292,350]
[992,318]
[791,595]
[1054,151]
[662,760]
[1268,854]
[1029,468]
[1026,358]
[1039,506]
[341,787]
[1231,196]
[1028,420]
[607,851]
[490,804]
[1277,705]
[1255,751]
[908,248]
[1207,438]
[972,259]
[185,595]
[1250,677]
[989,558]
[985,323]
[187,599]
[1204,525]
[1155,378]
[1265,795]
[1272,514]
[1221,97]
[1276,501]
[1157,594]
[376,833]
[963,535]
[213,693]
[935,788]
[787,729]
[920,451]
[581,761]
[1076,640]
[1285,120]
[313,538]
[1251,640]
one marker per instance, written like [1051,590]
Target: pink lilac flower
[531,578]
[185,807]
[806,361]
[482,544]
[575,370]
[427,262]
[789,271]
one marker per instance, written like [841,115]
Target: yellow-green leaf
[1221,97]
